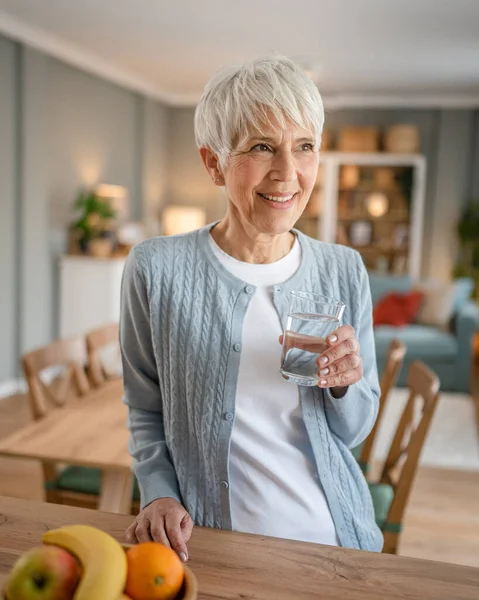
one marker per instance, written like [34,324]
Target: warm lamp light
[117,195]
[377,204]
[182,219]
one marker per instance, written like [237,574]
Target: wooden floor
[442,520]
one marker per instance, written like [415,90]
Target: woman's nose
[284,167]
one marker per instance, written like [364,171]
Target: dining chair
[390,494]
[65,359]
[97,340]
[394,362]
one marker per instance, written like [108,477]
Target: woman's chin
[283,223]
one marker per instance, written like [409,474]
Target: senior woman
[218,437]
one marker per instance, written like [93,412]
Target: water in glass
[304,339]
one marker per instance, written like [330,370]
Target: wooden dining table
[230,565]
[90,431]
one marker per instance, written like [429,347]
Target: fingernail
[324,371]
[323,382]
[183,557]
[333,339]
[323,360]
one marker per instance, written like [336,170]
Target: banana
[101,556]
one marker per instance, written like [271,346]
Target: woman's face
[269,177]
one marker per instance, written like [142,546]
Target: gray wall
[61,128]
[155,135]
[474,175]
[188,181]
[452,189]
[8,206]
[93,136]
[36,267]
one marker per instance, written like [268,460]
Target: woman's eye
[261,148]
[307,147]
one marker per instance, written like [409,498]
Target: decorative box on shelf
[89,293]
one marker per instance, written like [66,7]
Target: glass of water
[311,318]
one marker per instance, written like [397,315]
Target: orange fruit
[155,572]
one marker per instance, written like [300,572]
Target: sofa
[446,349]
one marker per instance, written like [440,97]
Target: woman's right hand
[164,521]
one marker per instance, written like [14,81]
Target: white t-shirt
[274,486]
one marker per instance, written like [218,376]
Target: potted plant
[95,222]
[468,233]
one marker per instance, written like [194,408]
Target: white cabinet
[89,293]
[373,202]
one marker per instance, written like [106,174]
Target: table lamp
[182,219]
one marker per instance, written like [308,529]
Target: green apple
[43,573]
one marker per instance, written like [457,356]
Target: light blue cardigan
[181,324]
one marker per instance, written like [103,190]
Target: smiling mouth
[278,199]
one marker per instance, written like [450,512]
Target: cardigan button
[249,289]
[225,485]
[229,416]
[237,347]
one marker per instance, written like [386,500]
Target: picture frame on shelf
[401,236]
[361,232]
[399,265]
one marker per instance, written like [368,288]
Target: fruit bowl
[189,589]
[81,562]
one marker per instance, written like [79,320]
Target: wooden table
[90,432]
[237,566]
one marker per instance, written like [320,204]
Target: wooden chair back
[96,340]
[394,362]
[402,460]
[72,382]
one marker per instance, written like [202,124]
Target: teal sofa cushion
[382,496]
[85,480]
[422,342]
[381,284]
[464,287]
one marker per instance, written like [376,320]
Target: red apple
[43,573]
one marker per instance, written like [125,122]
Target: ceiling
[361,52]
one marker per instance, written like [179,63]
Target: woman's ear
[212,164]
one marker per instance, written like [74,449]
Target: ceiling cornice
[76,56]
[67,52]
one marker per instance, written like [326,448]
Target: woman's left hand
[340,365]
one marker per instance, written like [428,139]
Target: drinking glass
[311,318]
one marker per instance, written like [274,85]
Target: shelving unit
[373,202]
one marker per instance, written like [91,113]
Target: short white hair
[240,98]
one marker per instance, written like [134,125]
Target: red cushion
[397,309]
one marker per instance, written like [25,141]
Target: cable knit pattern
[181,324]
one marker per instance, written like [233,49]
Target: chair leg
[49,480]
[391,541]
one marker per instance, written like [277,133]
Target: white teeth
[278,199]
